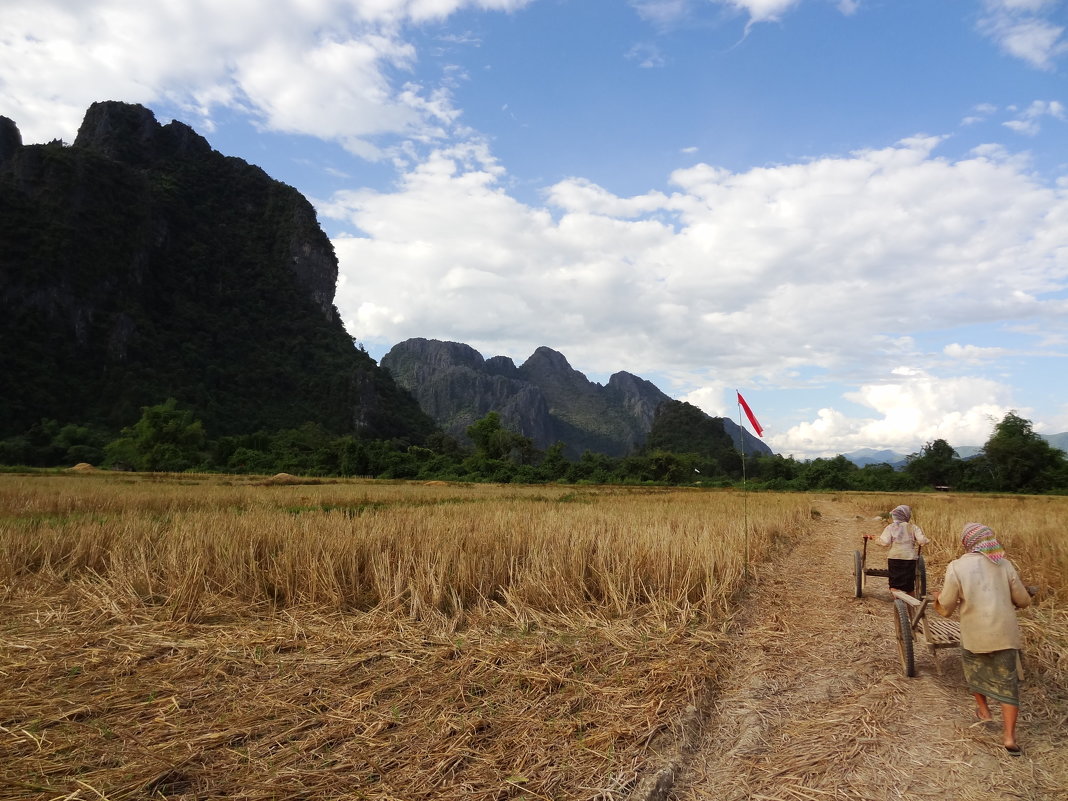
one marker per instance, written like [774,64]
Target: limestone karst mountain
[138,264]
[544,398]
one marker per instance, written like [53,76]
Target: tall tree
[1019,459]
[937,464]
[165,438]
[493,441]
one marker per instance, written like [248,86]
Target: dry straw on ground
[189,637]
[197,637]
[815,703]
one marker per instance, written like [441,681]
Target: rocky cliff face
[456,386]
[139,264]
[545,398]
[638,397]
[130,134]
[10,139]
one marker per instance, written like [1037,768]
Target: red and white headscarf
[977,538]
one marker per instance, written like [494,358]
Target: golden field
[204,637]
[217,637]
[427,551]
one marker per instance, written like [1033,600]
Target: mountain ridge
[544,398]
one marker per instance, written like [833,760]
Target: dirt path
[817,706]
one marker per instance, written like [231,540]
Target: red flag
[750,415]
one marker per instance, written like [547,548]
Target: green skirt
[993,675]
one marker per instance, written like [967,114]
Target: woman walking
[903,538]
[986,588]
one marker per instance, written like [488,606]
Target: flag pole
[745,486]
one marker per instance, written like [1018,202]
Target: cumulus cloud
[827,267]
[324,68]
[1026,29]
[905,413]
[712,399]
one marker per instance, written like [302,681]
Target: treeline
[1014,459]
[168,438]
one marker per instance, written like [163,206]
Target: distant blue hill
[866,456]
[1059,441]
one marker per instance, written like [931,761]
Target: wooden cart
[861,571]
[910,620]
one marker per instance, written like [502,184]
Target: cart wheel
[858,573]
[904,637]
[921,577]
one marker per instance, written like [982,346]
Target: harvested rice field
[207,637]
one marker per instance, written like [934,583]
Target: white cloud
[646,56]
[762,10]
[662,13]
[979,113]
[973,354]
[321,67]
[1032,6]
[1025,127]
[1025,29]
[671,13]
[907,413]
[712,399]
[1028,122]
[830,267]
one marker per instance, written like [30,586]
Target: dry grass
[191,637]
[202,637]
[427,551]
[307,705]
[1031,527]
[816,705]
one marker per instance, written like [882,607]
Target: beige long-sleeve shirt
[987,594]
[902,538]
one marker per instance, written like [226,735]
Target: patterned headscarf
[902,514]
[977,538]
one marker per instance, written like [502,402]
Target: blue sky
[854,211]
